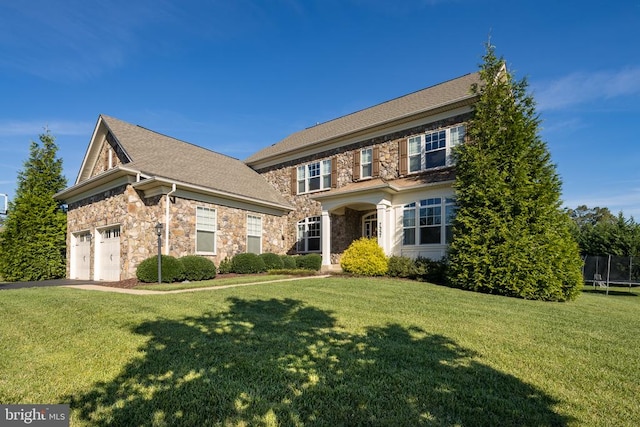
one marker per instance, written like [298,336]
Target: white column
[384,227]
[326,238]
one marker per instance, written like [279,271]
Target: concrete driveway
[43,283]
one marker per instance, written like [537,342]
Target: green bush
[172,269]
[272,261]
[365,257]
[401,266]
[431,271]
[247,264]
[309,262]
[198,268]
[289,262]
[225,266]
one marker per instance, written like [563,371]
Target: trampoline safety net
[612,270]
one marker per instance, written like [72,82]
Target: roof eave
[157,185]
[110,179]
[270,160]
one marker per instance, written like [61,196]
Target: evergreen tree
[511,236]
[34,236]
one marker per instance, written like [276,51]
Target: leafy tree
[34,236]
[510,235]
[599,232]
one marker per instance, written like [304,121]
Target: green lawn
[332,351]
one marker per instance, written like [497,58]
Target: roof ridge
[389,100]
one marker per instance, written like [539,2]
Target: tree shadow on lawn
[280,362]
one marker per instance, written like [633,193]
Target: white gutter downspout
[166,220]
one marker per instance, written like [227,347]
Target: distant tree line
[599,232]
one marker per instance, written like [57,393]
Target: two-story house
[383,172]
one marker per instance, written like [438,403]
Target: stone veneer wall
[102,164]
[231,236]
[137,218]
[346,228]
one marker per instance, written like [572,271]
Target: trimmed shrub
[272,261]
[428,270]
[247,264]
[309,262]
[401,266]
[172,269]
[198,268]
[289,262]
[365,257]
[225,266]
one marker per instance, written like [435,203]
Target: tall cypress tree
[33,243]
[511,236]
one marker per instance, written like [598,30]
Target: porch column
[326,238]
[384,227]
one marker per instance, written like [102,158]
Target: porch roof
[443,177]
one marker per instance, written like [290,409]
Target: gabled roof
[427,100]
[162,158]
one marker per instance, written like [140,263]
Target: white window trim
[449,145]
[306,222]
[214,231]
[251,234]
[445,221]
[324,166]
[363,163]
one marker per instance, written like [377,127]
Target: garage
[108,254]
[81,256]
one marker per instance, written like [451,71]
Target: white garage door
[81,257]
[108,255]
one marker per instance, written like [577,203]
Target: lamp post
[159,233]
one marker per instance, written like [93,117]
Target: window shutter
[334,172]
[356,165]
[294,180]
[375,166]
[402,148]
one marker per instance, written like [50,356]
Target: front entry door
[370,225]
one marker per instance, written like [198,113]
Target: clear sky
[235,76]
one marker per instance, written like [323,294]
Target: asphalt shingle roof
[414,103]
[159,155]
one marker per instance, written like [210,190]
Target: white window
[366,163]
[424,223]
[434,149]
[206,226]
[314,176]
[254,234]
[309,234]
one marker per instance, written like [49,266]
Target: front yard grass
[325,351]
[248,278]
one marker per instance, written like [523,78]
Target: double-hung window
[314,176]
[206,225]
[428,221]
[309,234]
[433,149]
[254,234]
[366,163]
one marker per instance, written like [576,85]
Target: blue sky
[237,75]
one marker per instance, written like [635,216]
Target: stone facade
[347,226]
[137,217]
